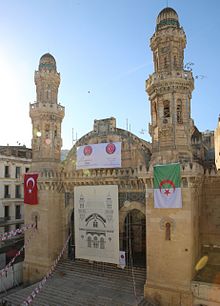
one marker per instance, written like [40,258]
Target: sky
[102,53]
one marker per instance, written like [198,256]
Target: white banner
[101,155]
[122,261]
[96,223]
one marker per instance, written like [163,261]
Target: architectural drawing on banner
[96,223]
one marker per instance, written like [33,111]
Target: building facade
[169,242]
[14,162]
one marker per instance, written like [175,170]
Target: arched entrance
[71,252]
[134,238]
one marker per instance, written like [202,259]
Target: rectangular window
[26,169]
[17,212]
[7,174]
[21,154]
[6,213]
[18,191]
[6,191]
[17,172]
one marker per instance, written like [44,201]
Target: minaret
[172,233]
[169,89]
[46,115]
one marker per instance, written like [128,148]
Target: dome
[47,62]
[167,17]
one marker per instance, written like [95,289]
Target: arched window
[179,115]
[95,223]
[55,131]
[95,242]
[154,112]
[167,231]
[165,62]
[166,109]
[47,130]
[48,92]
[102,243]
[174,61]
[89,242]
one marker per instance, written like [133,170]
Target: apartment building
[14,162]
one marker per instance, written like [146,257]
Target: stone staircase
[81,283]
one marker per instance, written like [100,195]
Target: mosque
[103,192]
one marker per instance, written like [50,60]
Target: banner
[122,261]
[30,189]
[96,223]
[101,155]
[167,190]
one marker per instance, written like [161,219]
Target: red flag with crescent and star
[30,189]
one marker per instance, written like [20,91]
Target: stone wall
[210,210]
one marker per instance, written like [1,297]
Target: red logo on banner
[110,148]
[30,189]
[87,150]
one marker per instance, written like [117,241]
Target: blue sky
[102,47]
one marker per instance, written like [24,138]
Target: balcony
[7,218]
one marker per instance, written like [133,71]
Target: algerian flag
[167,190]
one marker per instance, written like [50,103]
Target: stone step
[108,278]
[107,270]
[122,279]
[123,282]
[81,283]
[145,302]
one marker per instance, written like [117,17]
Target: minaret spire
[169,89]
[46,115]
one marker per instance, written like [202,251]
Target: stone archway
[132,226]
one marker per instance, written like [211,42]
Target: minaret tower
[46,115]
[169,89]
[172,233]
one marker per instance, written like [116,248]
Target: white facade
[14,162]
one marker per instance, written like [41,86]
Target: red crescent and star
[167,191]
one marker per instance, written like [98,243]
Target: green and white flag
[167,190]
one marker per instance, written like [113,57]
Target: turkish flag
[30,189]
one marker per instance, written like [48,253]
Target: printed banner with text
[101,155]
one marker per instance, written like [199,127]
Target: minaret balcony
[182,78]
[155,77]
[47,107]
